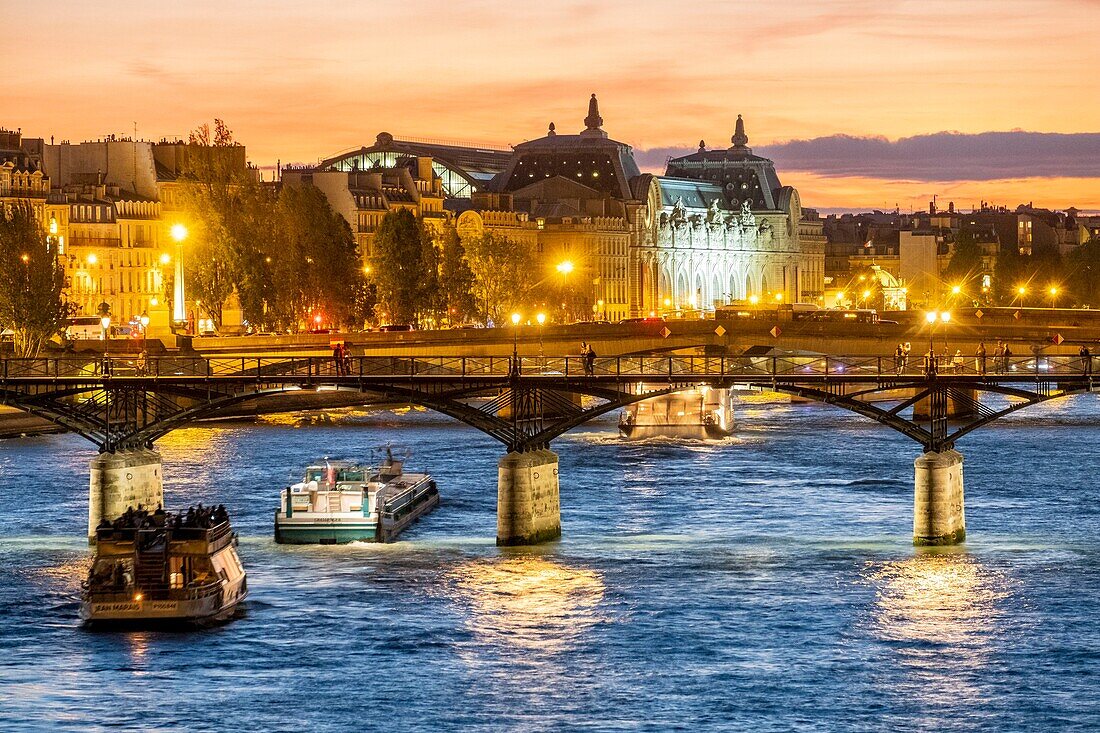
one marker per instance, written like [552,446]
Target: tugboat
[341,501]
[164,568]
[701,413]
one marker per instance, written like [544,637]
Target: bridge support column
[528,503]
[938,514]
[123,479]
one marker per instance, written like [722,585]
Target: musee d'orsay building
[717,227]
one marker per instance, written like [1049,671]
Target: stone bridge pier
[528,502]
[122,479]
[939,517]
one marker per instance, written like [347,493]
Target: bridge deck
[541,370]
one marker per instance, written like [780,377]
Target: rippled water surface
[766,582]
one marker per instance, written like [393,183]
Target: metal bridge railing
[310,368]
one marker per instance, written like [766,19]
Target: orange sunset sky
[864,88]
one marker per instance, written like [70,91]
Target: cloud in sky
[945,156]
[300,81]
[935,157]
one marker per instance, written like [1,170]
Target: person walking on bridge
[979,358]
[899,357]
[1086,360]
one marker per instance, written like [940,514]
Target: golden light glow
[930,316]
[178,232]
[515,319]
[668,302]
[541,318]
[565,267]
[528,603]
[1021,290]
[935,602]
[26,258]
[92,259]
[955,289]
[1054,291]
[366,268]
[754,299]
[778,297]
[165,258]
[154,302]
[945,316]
[866,294]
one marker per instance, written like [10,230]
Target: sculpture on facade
[679,213]
[714,213]
[747,217]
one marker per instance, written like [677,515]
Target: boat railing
[393,506]
[158,592]
[215,537]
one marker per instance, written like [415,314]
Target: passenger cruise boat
[698,414]
[342,501]
[160,567]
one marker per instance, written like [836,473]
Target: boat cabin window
[353,474]
[315,474]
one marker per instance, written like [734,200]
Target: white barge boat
[341,501]
[154,568]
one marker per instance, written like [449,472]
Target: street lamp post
[179,308]
[1053,296]
[934,317]
[105,321]
[515,343]
[541,318]
[565,267]
[1021,291]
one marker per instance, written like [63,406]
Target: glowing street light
[1053,295]
[565,267]
[515,342]
[105,321]
[933,317]
[754,299]
[179,309]
[1021,291]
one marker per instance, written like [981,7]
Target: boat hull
[103,613]
[688,432]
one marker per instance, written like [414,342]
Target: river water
[765,582]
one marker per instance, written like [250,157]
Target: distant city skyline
[850,98]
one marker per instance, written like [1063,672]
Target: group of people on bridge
[1001,356]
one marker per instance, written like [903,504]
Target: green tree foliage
[315,266]
[1083,274]
[430,296]
[965,268]
[31,282]
[1010,272]
[289,257]
[212,190]
[456,281]
[502,272]
[396,266]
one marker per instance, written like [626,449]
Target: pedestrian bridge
[124,405]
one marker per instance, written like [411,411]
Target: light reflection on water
[942,613]
[527,602]
[764,583]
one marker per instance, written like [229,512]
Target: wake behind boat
[342,501]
